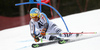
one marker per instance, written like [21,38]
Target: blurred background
[13,16]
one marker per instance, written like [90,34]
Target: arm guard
[46,25]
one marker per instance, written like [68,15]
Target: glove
[43,32]
[36,38]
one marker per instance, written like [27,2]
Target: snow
[19,38]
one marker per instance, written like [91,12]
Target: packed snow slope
[19,38]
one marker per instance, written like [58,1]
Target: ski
[48,43]
[42,44]
[61,41]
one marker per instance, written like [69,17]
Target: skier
[43,25]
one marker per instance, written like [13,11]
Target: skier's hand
[43,33]
[36,38]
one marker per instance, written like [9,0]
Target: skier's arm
[32,30]
[46,25]
[43,32]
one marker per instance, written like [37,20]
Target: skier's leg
[59,31]
[53,29]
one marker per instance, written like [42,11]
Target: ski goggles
[33,15]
